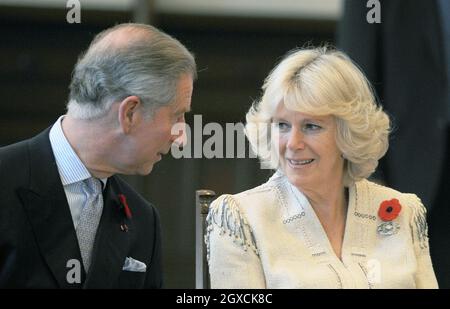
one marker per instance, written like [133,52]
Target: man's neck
[90,143]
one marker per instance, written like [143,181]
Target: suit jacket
[404,58]
[37,235]
[271,237]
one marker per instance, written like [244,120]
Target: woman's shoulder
[380,191]
[230,214]
[238,214]
[375,195]
[389,204]
[251,197]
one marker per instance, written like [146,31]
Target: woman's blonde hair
[323,81]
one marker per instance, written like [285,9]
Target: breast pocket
[131,280]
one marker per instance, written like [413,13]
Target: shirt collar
[70,167]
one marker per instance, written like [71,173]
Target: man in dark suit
[66,220]
[406,57]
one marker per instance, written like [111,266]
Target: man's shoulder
[18,150]
[16,156]
[13,150]
[13,160]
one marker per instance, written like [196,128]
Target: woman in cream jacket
[318,222]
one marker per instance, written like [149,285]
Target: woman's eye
[282,126]
[312,127]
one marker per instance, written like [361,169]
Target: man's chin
[142,170]
[146,171]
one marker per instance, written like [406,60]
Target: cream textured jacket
[270,237]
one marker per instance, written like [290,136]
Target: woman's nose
[295,140]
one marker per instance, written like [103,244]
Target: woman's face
[309,155]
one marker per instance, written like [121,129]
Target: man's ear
[129,113]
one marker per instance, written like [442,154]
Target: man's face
[153,137]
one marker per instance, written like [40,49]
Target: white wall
[316,9]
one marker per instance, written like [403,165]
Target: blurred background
[236,44]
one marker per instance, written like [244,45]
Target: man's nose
[179,136]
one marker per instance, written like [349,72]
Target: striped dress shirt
[71,171]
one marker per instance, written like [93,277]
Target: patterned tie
[89,219]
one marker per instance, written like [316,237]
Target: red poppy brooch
[388,212]
[126,209]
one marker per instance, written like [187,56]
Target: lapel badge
[126,211]
[388,228]
[124,227]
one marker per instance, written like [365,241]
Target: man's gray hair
[148,67]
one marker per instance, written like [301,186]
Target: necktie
[89,219]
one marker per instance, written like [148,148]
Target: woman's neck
[332,207]
[331,210]
[329,202]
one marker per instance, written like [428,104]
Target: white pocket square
[134,265]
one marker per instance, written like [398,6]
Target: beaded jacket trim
[225,215]
[419,225]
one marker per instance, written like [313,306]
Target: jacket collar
[45,203]
[299,217]
[293,202]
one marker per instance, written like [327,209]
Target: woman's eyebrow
[314,120]
[275,118]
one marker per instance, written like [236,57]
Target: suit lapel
[111,243]
[46,205]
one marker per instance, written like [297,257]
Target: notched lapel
[111,243]
[52,225]
[48,211]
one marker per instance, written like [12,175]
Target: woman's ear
[129,115]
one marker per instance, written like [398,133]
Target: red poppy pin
[126,210]
[388,211]
[125,207]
